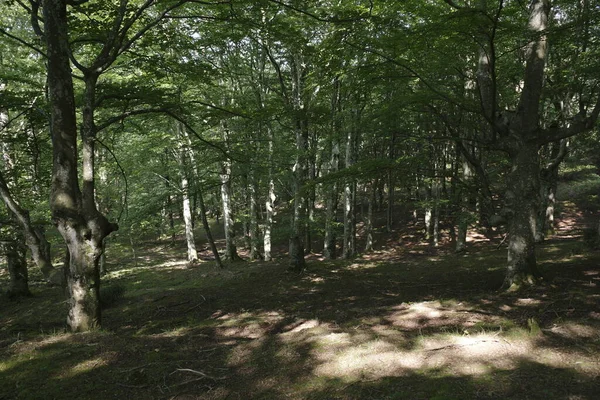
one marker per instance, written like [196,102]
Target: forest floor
[405,322]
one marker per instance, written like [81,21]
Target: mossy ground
[408,321]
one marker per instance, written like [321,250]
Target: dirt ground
[407,321]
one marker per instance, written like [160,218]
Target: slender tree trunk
[298,231]
[74,213]
[206,225]
[254,230]
[329,245]
[34,238]
[436,213]
[184,154]
[349,188]
[548,187]
[391,183]
[230,248]
[369,218]
[331,189]
[192,253]
[270,202]
[463,218]
[17,268]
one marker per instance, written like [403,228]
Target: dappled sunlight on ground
[408,322]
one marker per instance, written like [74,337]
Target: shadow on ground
[385,326]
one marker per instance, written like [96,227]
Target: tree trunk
[548,187]
[209,236]
[17,268]
[230,248]
[296,245]
[349,188]
[522,200]
[436,214]
[369,217]
[184,152]
[192,253]
[34,238]
[80,224]
[331,189]
[270,203]
[254,230]
[391,183]
[463,218]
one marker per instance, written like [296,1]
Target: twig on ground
[203,374]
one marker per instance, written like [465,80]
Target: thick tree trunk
[522,200]
[80,224]
[298,222]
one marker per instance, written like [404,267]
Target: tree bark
[254,230]
[209,236]
[298,222]
[331,189]
[522,200]
[192,253]
[230,247]
[17,268]
[369,218]
[34,238]
[82,227]
[270,202]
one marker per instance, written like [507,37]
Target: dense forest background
[261,141]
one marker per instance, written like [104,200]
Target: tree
[74,213]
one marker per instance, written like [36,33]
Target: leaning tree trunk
[82,227]
[34,238]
